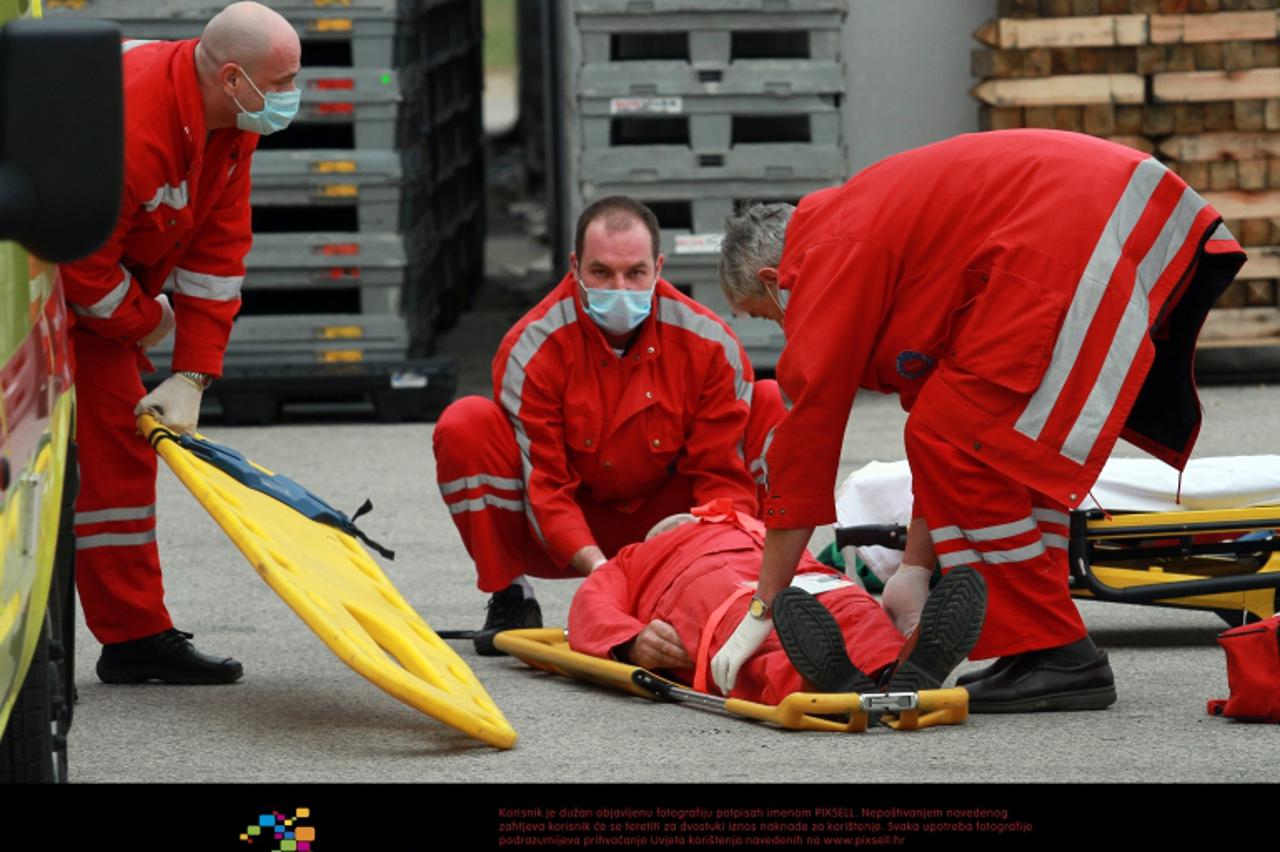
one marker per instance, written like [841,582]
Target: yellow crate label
[338,190]
[341,332]
[331,25]
[322,3]
[341,356]
[330,167]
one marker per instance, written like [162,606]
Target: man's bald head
[245,39]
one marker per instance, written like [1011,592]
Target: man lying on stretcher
[671,601]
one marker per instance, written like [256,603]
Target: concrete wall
[908,63]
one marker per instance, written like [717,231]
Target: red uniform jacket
[684,576]
[676,402]
[184,219]
[1014,287]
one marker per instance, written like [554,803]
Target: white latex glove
[166,324]
[175,403]
[904,596]
[737,648]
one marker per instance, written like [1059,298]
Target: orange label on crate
[338,249]
[341,356]
[331,25]
[322,3]
[329,167]
[331,109]
[338,190]
[340,332]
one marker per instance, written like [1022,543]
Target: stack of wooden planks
[1193,82]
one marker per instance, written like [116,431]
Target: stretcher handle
[893,536]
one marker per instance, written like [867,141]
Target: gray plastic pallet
[374,263]
[709,25]
[713,130]
[371,181]
[308,339]
[372,33]
[671,171]
[706,87]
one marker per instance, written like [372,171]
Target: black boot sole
[813,642]
[1099,698]
[948,630]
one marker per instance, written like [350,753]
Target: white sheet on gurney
[880,493]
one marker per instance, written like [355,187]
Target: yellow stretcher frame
[1103,575]
[547,648]
[335,587]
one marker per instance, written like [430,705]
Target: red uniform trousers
[478,468]
[1014,537]
[117,562]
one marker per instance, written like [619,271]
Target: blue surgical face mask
[278,109]
[618,311]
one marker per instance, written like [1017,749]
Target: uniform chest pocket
[582,435]
[663,431]
[157,232]
[1008,334]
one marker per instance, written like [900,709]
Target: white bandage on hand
[162,329]
[904,595]
[737,649]
[175,403]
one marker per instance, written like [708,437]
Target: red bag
[1253,672]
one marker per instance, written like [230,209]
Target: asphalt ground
[300,715]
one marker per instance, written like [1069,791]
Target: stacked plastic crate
[1194,82]
[696,107]
[340,298]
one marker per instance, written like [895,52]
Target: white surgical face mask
[618,311]
[278,109]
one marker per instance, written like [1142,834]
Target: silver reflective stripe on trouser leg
[479,504]
[468,482]
[995,532]
[535,334]
[115,540]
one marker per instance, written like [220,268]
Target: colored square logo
[306,832]
[255,830]
[288,835]
[304,846]
[302,812]
[266,819]
[288,846]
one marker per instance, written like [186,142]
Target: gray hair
[753,239]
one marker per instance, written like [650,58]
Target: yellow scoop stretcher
[336,588]
[547,649]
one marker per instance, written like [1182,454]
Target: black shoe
[813,642]
[976,675]
[509,609]
[1045,681]
[949,626]
[168,657]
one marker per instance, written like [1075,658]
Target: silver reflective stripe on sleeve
[479,503]
[217,288]
[170,196]
[447,488]
[123,513]
[764,461]
[1134,326]
[1058,541]
[681,315]
[1089,290]
[531,339]
[115,540]
[959,557]
[106,307]
[1221,233]
[130,44]
[786,400]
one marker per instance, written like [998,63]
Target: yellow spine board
[333,585]
[547,649]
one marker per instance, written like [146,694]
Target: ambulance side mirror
[61,135]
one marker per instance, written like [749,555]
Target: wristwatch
[200,380]
[758,609]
